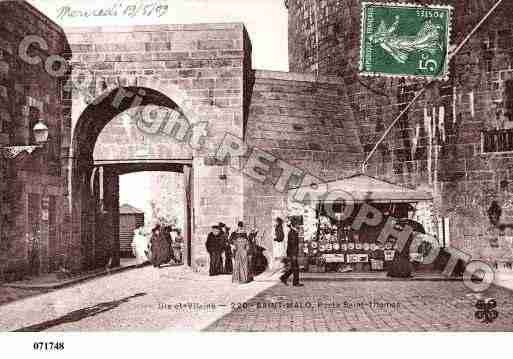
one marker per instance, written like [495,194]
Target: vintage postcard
[228,166]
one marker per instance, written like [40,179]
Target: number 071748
[48,346]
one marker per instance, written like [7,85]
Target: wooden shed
[130,218]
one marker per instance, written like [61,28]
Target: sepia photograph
[241,166]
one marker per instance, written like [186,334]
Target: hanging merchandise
[428,129]
[454,98]
[389,255]
[472,104]
[415,141]
[441,122]
[434,126]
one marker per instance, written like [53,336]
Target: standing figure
[34,252]
[252,250]
[498,246]
[292,257]
[140,246]
[279,240]
[166,235]
[401,266]
[258,263]
[159,247]
[177,246]
[241,271]
[227,246]
[214,246]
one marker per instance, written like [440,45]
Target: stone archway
[94,185]
[209,87]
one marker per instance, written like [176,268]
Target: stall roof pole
[423,90]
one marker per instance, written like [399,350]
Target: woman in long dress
[401,266]
[159,247]
[228,255]
[279,240]
[241,271]
[140,246]
[497,246]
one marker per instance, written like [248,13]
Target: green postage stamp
[405,40]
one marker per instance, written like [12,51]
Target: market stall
[328,238]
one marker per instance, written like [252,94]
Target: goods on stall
[319,266]
[314,268]
[342,247]
[389,255]
[376,264]
[333,258]
[357,258]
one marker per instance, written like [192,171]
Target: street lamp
[40,132]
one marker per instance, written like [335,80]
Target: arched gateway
[187,97]
[95,186]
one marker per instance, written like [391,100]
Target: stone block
[216,44]
[158,46]
[180,46]
[4,139]
[203,83]
[480,176]
[210,54]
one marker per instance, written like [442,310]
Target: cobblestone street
[8,295]
[368,306]
[175,298]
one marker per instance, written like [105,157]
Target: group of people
[234,253]
[238,254]
[164,246]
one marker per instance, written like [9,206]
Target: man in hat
[292,256]
[215,248]
[227,248]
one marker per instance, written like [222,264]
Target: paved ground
[174,298]
[367,306]
[30,286]
[140,299]
[13,294]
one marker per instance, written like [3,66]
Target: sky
[265,20]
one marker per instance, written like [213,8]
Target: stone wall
[305,121]
[445,155]
[196,69]
[122,140]
[27,93]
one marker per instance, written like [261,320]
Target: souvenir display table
[329,241]
[335,247]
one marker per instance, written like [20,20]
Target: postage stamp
[405,40]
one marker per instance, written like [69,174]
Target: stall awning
[363,188]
